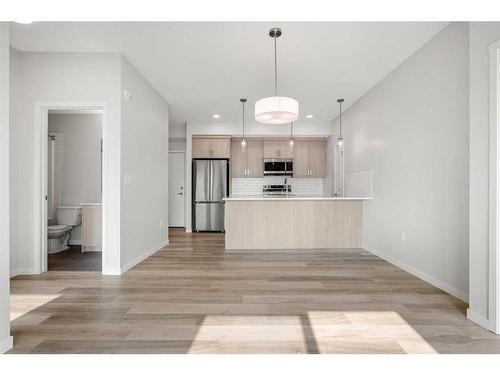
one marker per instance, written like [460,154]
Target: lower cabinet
[91,227]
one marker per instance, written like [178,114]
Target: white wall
[5,338]
[15,93]
[61,77]
[81,159]
[411,129]
[251,129]
[482,35]
[144,201]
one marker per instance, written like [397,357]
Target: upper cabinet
[211,147]
[309,159]
[277,149]
[247,161]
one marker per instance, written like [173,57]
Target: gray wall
[144,207]
[482,35]
[5,338]
[412,130]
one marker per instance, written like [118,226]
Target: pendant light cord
[340,120]
[243,100]
[275,68]
[291,130]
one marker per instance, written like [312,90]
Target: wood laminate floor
[74,260]
[193,297]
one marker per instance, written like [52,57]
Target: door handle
[180,193]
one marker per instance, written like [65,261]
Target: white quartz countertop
[292,198]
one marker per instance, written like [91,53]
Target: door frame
[494,194]
[184,196]
[41,168]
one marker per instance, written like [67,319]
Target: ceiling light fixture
[243,140]
[309,116]
[291,135]
[340,139]
[215,115]
[276,109]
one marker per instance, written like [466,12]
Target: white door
[176,189]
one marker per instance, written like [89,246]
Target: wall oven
[278,167]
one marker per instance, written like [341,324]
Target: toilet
[68,217]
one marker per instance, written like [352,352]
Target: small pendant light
[340,139]
[291,135]
[243,139]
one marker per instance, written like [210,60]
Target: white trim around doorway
[40,190]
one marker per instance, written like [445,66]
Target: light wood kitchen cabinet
[238,162]
[91,227]
[211,147]
[247,161]
[277,149]
[309,159]
[301,159]
[317,156]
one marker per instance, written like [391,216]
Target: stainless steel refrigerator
[210,185]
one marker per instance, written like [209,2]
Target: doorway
[176,163]
[74,190]
[71,217]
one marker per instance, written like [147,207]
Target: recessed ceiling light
[215,115]
[309,116]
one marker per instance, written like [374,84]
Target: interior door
[176,189]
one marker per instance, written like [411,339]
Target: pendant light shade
[276,109]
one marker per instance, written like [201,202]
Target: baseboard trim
[478,319]
[140,258]
[421,275]
[6,344]
[22,271]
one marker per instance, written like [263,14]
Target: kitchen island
[294,222]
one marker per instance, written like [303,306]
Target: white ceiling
[202,68]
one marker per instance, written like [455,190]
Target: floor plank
[194,297]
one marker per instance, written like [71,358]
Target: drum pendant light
[276,109]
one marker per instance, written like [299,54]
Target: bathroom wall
[81,159]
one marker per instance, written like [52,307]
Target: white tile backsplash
[253,186]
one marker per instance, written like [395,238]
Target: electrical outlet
[403,236]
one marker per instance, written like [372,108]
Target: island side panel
[293,224]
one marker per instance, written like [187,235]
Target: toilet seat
[56,228]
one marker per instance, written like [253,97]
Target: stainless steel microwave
[278,167]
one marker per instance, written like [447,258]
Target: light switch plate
[127,179]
